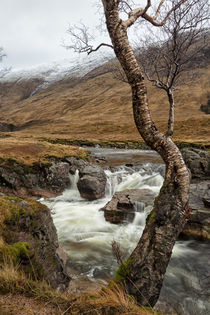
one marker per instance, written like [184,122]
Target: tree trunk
[171,113]
[145,268]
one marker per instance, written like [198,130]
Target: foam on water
[82,229]
[87,238]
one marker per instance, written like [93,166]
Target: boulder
[123,205]
[198,161]
[92,182]
[75,164]
[198,225]
[57,176]
[29,239]
[39,179]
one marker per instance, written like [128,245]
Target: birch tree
[142,274]
[168,54]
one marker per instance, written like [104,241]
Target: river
[87,237]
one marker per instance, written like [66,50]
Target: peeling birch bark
[149,260]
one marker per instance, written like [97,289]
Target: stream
[87,237]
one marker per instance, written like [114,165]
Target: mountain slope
[98,106]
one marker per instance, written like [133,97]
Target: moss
[17,252]
[152,216]
[18,167]
[8,209]
[165,183]
[21,250]
[132,144]
[16,199]
[13,207]
[123,271]
[36,206]
[15,211]
[183,145]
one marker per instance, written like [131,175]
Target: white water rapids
[87,238]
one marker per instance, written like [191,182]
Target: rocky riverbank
[29,240]
[27,232]
[52,178]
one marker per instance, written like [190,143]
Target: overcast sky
[31,31]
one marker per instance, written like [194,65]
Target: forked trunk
[145,268]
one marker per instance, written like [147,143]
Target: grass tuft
[106,301]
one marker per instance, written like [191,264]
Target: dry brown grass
[100,108]
[28,150]
[105,301]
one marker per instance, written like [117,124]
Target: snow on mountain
[58,70]
[75,67]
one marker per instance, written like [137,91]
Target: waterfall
[87,238]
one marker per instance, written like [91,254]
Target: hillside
[97,106]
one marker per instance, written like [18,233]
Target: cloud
[31,31]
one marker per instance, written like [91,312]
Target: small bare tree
[144,270]
[180,41]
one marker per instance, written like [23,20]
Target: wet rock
[198,161]
[123,205]
[199,191]
[29,237]
[39,180]
[62,254]
[92,182]
[198,225]
[75,164]
[57,176]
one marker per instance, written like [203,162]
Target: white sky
[31,31]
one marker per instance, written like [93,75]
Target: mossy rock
[13,207]
[28,238]
[17,252]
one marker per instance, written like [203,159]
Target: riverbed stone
[123,205]
[198,225]
[198,161]
[92,182]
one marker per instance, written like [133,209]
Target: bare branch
[134,15]
[81,40]
[173,9]
[147,6]
[98,47]
[158,10]
[125,7]
[180,41]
